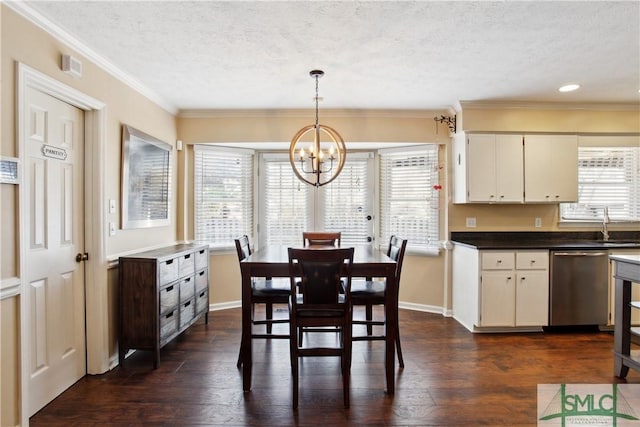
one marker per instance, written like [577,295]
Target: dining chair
[317,303]
[371,292]
[321,238]
[267,291]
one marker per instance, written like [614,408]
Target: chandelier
[317,161]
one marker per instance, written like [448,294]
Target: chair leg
[293,346]
[269,315]
[239,364]
[346,365]
[398,346]
[369,316]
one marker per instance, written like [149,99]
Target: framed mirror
[146,180]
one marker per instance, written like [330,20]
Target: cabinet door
[564,164]
[497,301]
[532,298]
[509,169]
[551,168]
[481,168]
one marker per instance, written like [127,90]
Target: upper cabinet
[512,168]
[550,168]
[494,169]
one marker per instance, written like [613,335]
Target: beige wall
[423,281]
[23,42]
[9,372]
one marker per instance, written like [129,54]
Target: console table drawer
[187,312]
[187,288]
[202,259]
[202,301]
[168,297]
[168,324]
[186,265]
[168,271]
[202,280]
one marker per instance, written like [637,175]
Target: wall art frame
[146,180]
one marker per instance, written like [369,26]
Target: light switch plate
[112,206]
[471,222]
[112,229]
[538,222]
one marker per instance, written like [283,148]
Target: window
[290,206]
[223,194]
[607,176]
[226,200]
[409,196]
[284,202]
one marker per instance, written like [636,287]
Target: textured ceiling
[376,54]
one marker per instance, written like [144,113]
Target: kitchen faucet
[605,221]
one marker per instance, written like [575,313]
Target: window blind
[223,195]
[408,195]
[346,202]
[286,203]
[607,176]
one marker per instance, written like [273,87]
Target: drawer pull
[168,288]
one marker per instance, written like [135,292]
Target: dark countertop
[547,240]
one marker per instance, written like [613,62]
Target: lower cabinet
[162,292]
[500,289]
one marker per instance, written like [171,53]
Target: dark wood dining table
[273,261]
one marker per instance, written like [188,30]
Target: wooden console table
[162,292]
[627,271]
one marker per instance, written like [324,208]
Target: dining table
[273,261]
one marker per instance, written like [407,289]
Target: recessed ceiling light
[569,88]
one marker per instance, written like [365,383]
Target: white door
[53,178]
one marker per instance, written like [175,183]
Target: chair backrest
[321,238]
[321,274]
[243,248]
[397,247]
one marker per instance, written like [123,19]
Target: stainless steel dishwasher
[578,293]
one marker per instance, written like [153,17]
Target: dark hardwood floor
[451,378]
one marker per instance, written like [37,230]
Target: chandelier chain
[317,77]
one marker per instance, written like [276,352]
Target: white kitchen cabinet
[532,288]
[550,168]
[500,290]
[515,168]
[488,169]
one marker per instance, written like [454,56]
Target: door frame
[95,283]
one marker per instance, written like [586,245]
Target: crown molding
[309,113]
[524,105]
[23,9]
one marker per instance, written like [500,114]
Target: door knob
[369,218]
[82,257]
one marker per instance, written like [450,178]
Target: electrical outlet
[538,222]
[471,222]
